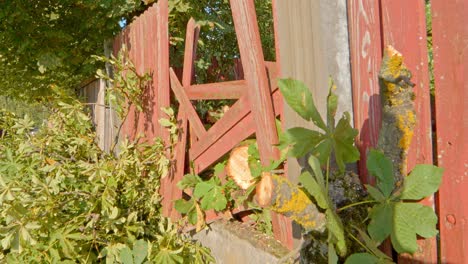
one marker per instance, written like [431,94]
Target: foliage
[392,215]
[338,138]
[51,42]
[215,19]
[62,199]
[126,86]
[208,194]
[37,112]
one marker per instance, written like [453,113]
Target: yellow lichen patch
[295,206]
[405,124]
[394,61]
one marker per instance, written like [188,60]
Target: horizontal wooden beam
[217,91]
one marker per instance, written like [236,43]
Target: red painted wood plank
[242,129]
[366,54]
[250,48]
[191,39]
[163,90]
[217,91]
[185,103]
[170,190]
[404,27]
[230,118]
[450,42]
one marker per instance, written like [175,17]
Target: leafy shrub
[63,199]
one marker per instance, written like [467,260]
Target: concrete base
[234,243]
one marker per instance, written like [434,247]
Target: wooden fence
[373,24]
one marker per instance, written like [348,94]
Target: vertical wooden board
[250,47]
[450,42]
[191,39]
[170,191]
[153,69]
[366,54]
[163,88]
[404,27]
[138,61]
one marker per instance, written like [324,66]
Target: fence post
[250,47]
[404,27]
[366,53]
[450,40]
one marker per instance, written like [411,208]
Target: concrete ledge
[235,242]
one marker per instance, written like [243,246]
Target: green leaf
[362,258]
[335,227]
[403,234]
[219,168]
[188,181]
[411,219]
[166,256]
[299,98]
[332,104]
[183,206]
[372,246]
[423,181]
[375,193]
[303,140]
[165,122]
[315,166]
[126,256]
[381,167]
[380,226]
[140,251]
[214,199]
[202,188]
[323,150]
[344,135]
[332,256]
[192,215]
[425,222]
[312,187]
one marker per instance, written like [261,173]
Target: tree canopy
[44,42]
[51,42]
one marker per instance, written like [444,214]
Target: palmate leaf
[140,251]
[380,226]
[165,256]
[344,135]
[423,181]
[126,256]
[304,140]
[382,168]
[411,219]
[299,98]
[339,139]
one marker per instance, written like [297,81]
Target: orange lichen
[296,205]
[405,124]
